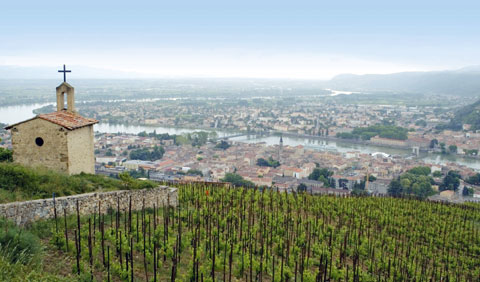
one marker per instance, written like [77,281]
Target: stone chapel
[62,141]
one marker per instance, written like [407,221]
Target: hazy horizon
[268,39]
[17,72]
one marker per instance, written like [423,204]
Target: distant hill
[467,115]
[464,81]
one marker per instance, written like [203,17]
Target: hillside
[18,183]
[248,235]
[467,115]
[465,81]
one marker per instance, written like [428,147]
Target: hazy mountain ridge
[465,81]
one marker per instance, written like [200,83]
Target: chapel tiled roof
[68,119]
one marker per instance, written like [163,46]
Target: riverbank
[352,141]
[10,115]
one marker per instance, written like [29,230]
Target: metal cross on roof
[64,73]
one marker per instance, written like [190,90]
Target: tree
[302,187]
[371,178]
[421,170]
[5,155]
[452,149]
[270,162]
[472,152]
[198,138]
[467,192]
[194,172]
[442,146]
[421,122]
[395,188]
[273,163]
[157,153]
[433,143]
[359,192]
[180,140]
[475,179]
[222,145]
[418,185]
[382,130]
[359,186]
[127,180]
[145,154]
[262,162]
[237,180]
[321,174]
[437,174]
[109,153]
[451,181]
[140,173]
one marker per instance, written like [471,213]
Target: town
[206,156]
[212,162]
[302,118]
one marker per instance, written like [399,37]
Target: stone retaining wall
[27,212]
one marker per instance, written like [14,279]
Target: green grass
[18,245]
[21,255]
[17,272]
[19,183]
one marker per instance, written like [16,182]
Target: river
[343,147]
[13,114]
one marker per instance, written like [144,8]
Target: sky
[269,39]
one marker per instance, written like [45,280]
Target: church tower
[62,140]
[280,149]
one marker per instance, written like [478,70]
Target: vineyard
[227,234]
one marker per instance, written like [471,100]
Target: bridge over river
[240,134]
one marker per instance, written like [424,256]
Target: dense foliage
[20,183]
[420,170]
[321,174]
[415,182]
[451,181]
[222,145]
[5,155]
[146,154]
[270,162]
[469,114]
[384,131]
[231,234]
[237,180]
[359,188]
[475,179]
[140,173]
[154,134]
[197,138]
[194,172]
[467,191]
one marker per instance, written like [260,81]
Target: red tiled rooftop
[65,119]
[68,120]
